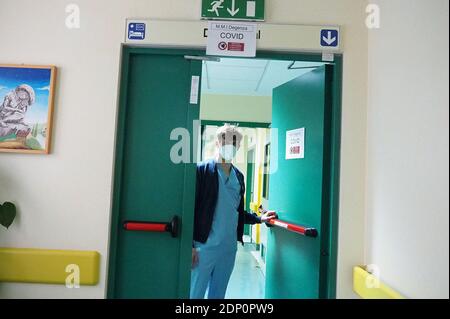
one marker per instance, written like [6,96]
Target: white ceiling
[248,76]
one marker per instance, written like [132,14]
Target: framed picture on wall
[26,108]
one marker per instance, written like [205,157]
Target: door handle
[302,230]
[170,227]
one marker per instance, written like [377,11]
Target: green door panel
[152,187]
[294,268]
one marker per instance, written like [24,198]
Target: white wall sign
[231,39]
[285,37]
[295,143]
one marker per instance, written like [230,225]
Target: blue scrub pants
[213,271]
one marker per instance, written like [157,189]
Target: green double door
[297,266]
[155,116]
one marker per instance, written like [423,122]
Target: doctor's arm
[253,218]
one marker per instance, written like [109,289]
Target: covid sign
[231,39]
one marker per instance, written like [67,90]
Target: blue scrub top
[223,234]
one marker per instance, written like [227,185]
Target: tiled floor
[247,279]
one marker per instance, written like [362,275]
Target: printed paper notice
[231,38]
[195,82]
[295,143]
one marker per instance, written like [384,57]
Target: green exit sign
[252,10]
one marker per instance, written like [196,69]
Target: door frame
[327,286]
[249,188]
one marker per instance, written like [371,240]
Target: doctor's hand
[267,215]
[270,214]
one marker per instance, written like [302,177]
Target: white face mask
[227,152]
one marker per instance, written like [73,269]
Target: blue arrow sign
[329,38]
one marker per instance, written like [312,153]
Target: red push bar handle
[310,232]
[170,227]
[305,231]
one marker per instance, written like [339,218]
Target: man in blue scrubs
[219,217]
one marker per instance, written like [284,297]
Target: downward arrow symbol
[328,39]
[233,9]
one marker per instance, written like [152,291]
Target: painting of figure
[26,108]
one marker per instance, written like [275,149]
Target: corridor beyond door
[297,98]
[247,280]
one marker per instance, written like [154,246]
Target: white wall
[70,208]
[244,108]
[407,222]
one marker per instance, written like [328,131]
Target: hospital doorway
[248,277]
[288,105]
[267,99]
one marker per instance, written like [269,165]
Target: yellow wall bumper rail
[49,266]
[367,286]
